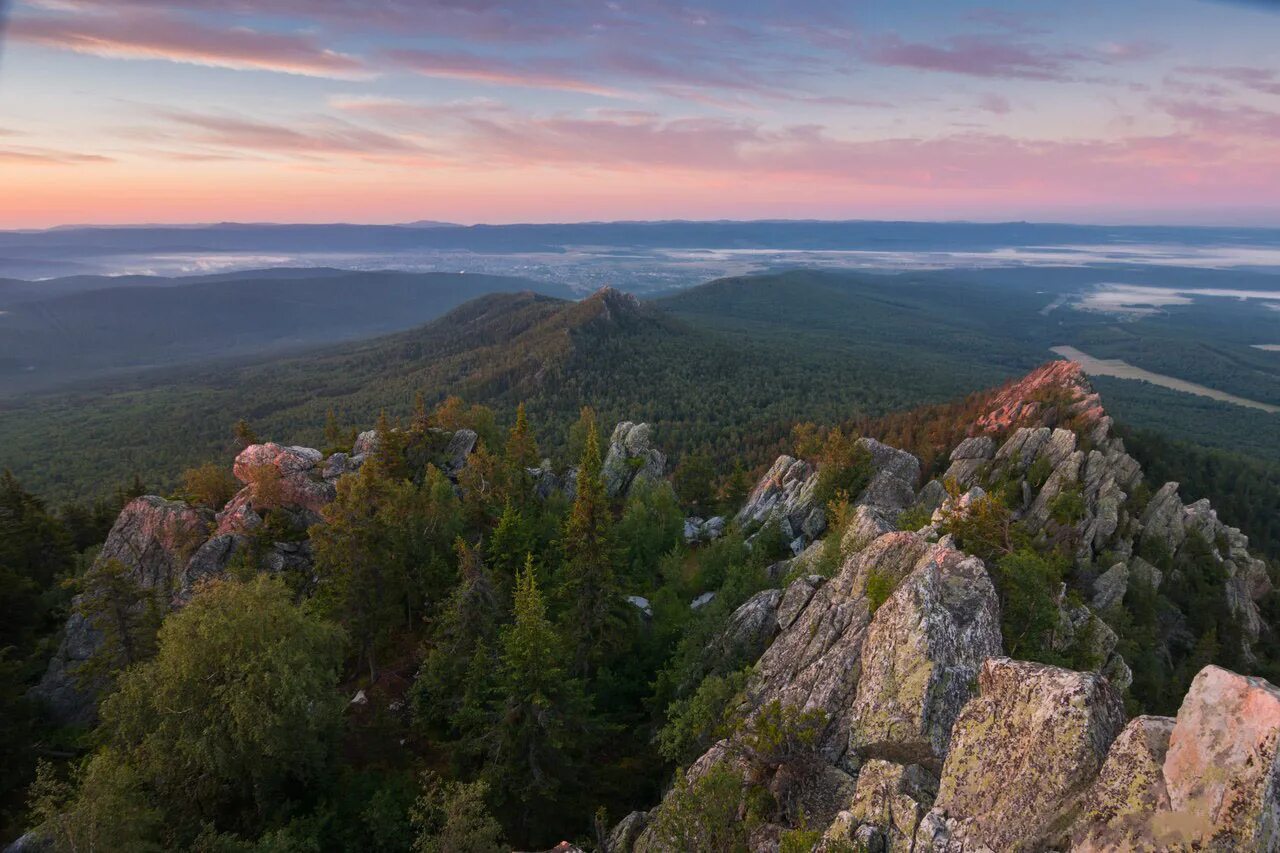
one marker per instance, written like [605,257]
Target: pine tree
[333,432]
[588,582]
[540,713]
[468,623]
[244,434]
[388,453]
[421,418]
[522,448]
[512,541]
[126,617]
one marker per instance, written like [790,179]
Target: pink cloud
[49,157]
[318,138]
[977,56]
[1226,121]
[993,103]
[1266,80]
[159,37]
[543,74]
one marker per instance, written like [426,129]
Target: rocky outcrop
[787,493]
[282,476]
[698,530]
[1117,813]
[814,663]
[154,539]
[1053,394]
[892,798]
[921,658]
[1222,769]
[1023,754]
[631,459]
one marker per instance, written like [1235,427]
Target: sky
[148,111]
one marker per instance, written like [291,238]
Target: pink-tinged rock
[1022,402]
[296,468]
[1222,768]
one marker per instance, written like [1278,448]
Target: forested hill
[52,333]
[713,382]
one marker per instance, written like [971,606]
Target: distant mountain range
[85,327]
[768,234]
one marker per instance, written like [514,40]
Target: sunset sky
[131,111]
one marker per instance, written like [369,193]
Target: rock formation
[931,740]
[631,459]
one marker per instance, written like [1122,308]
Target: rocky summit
[926,734]
[982,660]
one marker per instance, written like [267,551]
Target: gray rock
[866,526]
[1109,588]
[640,603]
[796,597]
[153,538]
[1162,521]
[458,451]
[921,658]
[893,483]
[365,443]
[893,798]
[977,447]
[1129,796]
[784,494]
[1023,754]
[749,629]
[631,458]
[814,662]
[622,838]
[702,600]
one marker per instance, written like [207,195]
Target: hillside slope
[107,326]
[716,387]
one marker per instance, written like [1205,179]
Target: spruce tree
[539,715]
[522,447]
[468,623]
[588,582]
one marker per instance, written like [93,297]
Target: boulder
[1222,768]
[785,494]
[921,658]
[748,631]
[154,539]
[1122,809]
[1023,754]
[814,662]
[892,487]
[1109,588]
[622,838]
[697,530]
[297,481]
[867,525]
[1162,521]
[458,451]
[893,798]
[631,458]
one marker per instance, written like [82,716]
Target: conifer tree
[588,582]
[540,713]
[388,453]
[124,614]
[468,623]
[511,542]
[522,448]
[244,434]
[332,430]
